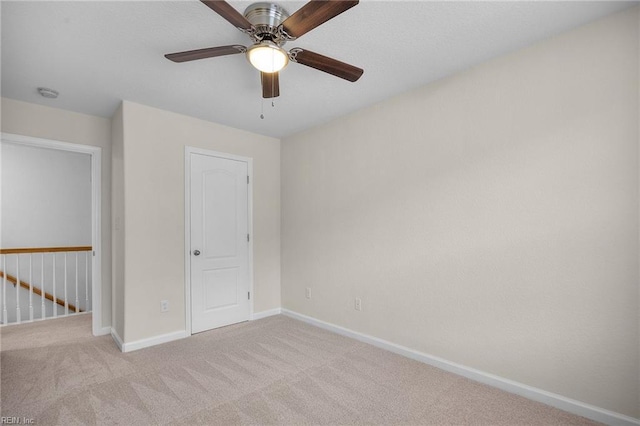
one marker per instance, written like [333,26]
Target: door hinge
[249,295]
[247,237]
[94,253]
[247,179]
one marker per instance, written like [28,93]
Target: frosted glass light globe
[267,57]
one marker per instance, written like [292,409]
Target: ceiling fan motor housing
[266,17]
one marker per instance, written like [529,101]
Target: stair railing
[39,289]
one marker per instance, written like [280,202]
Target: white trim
[188,150]
[567,404]
[151,341]
[250,231]
[117,339]
[96,219]
[187,239]
[211,153]
[96,242]
[265,314]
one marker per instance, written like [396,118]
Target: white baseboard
[116,338]
[267,313]
[164,338]
[145,343]
[567,404]
[152,341]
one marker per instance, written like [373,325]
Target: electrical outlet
[358,304]
[308,293]
[164,306]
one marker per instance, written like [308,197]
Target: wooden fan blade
[209,52]
[227,11]
[313,14]
[270,84]
[326,64]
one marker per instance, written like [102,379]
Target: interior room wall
[39,121]
[490,218]
[154,142]
[46,197]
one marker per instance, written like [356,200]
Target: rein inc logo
[5,420]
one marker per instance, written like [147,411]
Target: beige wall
[490,218]
[154,142]
[51,123]
[117,214]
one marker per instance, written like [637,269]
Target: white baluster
[43,312]
[77,304]
[18,288]
[30,287]
[66,300]
[86,281]
[4,289]
[55,304]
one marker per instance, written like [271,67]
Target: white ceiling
[98,53]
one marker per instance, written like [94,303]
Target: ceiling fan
[270,26]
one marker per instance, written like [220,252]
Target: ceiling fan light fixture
[267,57]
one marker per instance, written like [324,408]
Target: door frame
[188,150]
[96,218]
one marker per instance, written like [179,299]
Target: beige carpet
[272,371]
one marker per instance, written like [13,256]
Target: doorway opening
[50,255]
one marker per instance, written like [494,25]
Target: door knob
[196,252]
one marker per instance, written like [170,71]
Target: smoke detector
[47,93]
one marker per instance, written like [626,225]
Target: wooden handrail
[44,249]
[37,291]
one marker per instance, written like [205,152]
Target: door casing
[188,150]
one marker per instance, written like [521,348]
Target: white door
[219,251]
